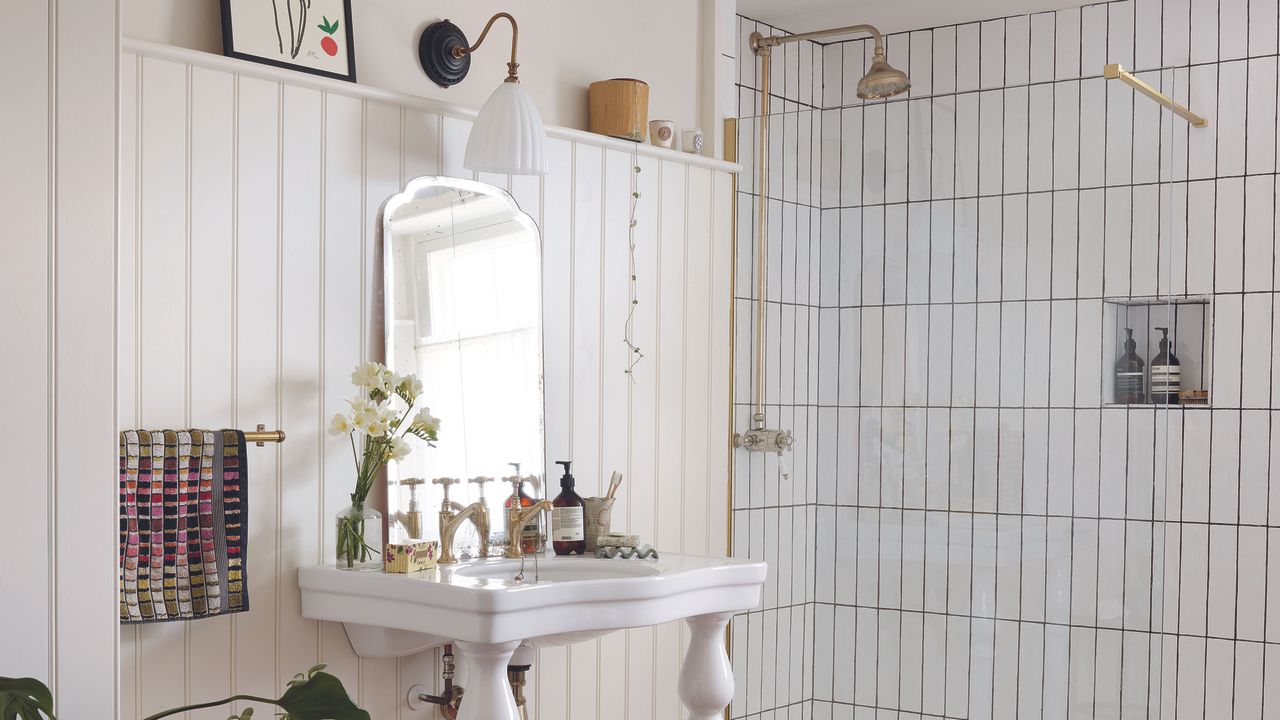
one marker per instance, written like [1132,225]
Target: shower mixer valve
[764,440]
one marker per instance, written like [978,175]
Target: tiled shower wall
[988,538]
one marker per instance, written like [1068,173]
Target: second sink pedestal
[706,682]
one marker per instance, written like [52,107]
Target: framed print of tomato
[309,35]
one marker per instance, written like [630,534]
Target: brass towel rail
[262,435]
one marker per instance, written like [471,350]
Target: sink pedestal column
[488,695]
[706,683]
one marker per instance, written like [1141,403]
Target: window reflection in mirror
[463,294]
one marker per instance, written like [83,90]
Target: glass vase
[359,537]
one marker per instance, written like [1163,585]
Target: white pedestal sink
[486,613]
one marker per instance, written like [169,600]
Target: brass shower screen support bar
[1117,72]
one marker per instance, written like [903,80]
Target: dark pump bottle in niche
[1166,373]
[1129,378]
[568,526]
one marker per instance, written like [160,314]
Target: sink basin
[575,570]
[482,608]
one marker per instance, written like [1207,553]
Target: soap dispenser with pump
[568,521]
[1129,380]
[1166,373]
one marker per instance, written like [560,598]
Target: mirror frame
[407,195]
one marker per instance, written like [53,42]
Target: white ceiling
[888,15]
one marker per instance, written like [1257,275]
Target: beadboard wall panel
[250,286]
[58,180]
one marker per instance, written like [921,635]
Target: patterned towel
[182,524]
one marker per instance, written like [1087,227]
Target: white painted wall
[249,231]
[564,46]
[58,602]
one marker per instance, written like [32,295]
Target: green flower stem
[216,703]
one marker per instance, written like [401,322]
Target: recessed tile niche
[1189,324]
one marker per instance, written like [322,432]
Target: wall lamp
[508,136]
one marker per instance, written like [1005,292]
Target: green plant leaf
[322,697]
[25,698]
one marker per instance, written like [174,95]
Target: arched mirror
[463,300]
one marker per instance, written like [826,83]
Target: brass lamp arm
[515,40]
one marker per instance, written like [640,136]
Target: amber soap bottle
[568,526]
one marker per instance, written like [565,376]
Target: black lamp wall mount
[445,54]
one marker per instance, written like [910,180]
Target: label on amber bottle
[567,524]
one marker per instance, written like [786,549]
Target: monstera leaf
[320,696]
[26,699]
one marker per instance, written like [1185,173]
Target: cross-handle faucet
[517,518]
[452,515]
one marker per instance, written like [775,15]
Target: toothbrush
[614,483]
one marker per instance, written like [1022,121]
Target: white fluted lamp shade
[508,136]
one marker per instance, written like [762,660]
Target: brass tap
[452,515]
[517,518]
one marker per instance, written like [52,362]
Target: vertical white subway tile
[1106,675]
[1152,149]
[1120,34]
[832,75]
[1227,348]
[1224,468]
[1255,456]
[1084,572]
[1013,266]
[934,670]
[849,335]
[940,355]
[961,477]
[1034,568]
[827,634]
[991,142]
[829,360]
[1043,33]
[920,67]
[914,426]
[1204,32]
[910,662]
[1232,109]
[957,667]
[1251,589]
[1111,573]
[895,254]
[1060,473]
[1146,256]
[1120,158]
[1222,581]
[1036,380]
[1199,232]
[1273,582]
[965,250]
[1233,28]
[874,139]
[1262,27]
[1057,659]
[986,438]
[893,345]
[918,255]
[991,55]
[967,145]
[1040,138]
[915,365]
[1012,367]
[1088,453]
[943,155]
[943,79]
[1176,22]
[1017,50]
[941,263]
[937,483]
[1069,244]
[983,602]
[1009,479]
[865,655]
[850,154]
[1062,363]
[1008,565]
[963,353]
[919,149]
[1147,30]
[1066,137]
[1255,354]
[968,58]
[854,62]
[1190,668]
[1259,229]
[1088,349]
[1111,489]
[831,152]
[1202,146]
[889,657]
[869,445]
[981,668]
[894,147]
[1039,246]
[1067,44]
[1016,123]
[1260,141]
[1096,119]
[987,393]
[990,224]
[1006,670]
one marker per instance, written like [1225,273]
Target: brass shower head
[882,80]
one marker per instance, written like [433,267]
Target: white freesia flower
[370,375]
[363,418]
[377,427]
[361,405]
[410,386]
[340,425]
[399,449]
[426,421]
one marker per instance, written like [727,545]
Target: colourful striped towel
[182,524]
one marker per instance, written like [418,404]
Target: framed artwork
[309,35]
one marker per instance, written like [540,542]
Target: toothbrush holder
[599,511]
